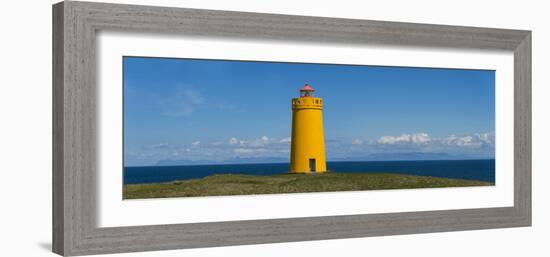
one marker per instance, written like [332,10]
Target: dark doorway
[312,165]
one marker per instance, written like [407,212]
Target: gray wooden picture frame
[75,25]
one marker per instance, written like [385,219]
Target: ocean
[483,170]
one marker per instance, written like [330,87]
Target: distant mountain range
[406,156]
[236,160]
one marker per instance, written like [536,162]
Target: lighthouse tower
[307,150]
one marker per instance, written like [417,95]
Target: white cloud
[233,141]
[261,146]
[159,146]
[357,142]
[470,141]
[180,102]
[255,143]
[265,146]
[487,137]
[285,140]
[418,138]
[421,138]
[248,150]
[394,139]
[259,142]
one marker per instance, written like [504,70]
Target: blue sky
[212,111]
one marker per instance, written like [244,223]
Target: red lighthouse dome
[306,91]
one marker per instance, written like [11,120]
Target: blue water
[483,170]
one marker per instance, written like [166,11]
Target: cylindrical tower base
[307,152]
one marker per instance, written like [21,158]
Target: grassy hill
[232,184]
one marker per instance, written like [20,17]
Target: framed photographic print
[182,128]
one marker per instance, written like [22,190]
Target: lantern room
[306,91]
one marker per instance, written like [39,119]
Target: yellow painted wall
[308,140]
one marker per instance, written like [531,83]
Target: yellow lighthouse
[307,150]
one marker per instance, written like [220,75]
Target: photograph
[296,128]
[200,127]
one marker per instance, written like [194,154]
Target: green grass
[232,184]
